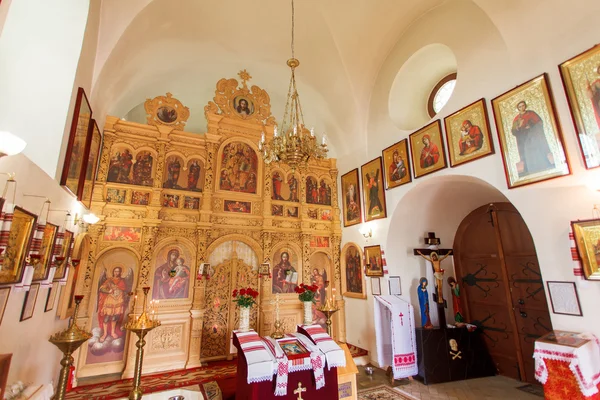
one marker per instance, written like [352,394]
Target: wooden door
[503,291]
[221,315]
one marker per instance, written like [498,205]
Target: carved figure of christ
[438,272]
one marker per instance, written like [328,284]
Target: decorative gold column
[198,303]
[68,341]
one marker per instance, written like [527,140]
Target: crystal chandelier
[294,145]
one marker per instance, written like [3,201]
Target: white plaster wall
[523,40]
[35,360]
[39,49]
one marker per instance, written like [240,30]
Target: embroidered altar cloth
[334,353]
[581,352]
[395,334]
[259,358]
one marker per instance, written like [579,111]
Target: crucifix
[277,324]
[299,391]
[435,255]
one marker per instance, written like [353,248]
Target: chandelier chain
[293,29]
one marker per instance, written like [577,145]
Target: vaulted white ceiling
[147,48]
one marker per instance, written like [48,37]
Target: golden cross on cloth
[299,391]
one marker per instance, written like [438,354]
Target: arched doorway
[503,292]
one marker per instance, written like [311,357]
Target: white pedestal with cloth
[395,333]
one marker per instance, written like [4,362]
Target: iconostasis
[194,216]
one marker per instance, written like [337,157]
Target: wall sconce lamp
[367,232]
[10,144]
[85,220]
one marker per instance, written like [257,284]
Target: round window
[441,94]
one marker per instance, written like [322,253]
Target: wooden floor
[491,388]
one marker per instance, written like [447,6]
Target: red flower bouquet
[245,297]
[306,292]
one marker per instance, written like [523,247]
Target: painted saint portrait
[244,207]
[191,203]
[468,134]
[65,251]
[581,78]
[354,285]
[140,198]
[285,271]
[122,234]
[166,114]
[530,138]
[373,193]
[112,304]
[239,166]
[277,210]
[178,176]
[120,165]
[284,188]
[292,212]
[319,241]
[427,150]
[75,159]
[351,207]
[170,200]
[115,195]
[374,261]
[317,192]
[319,276]
[172,273]
[396,164]
[243,106]
[18,242]
[46,251]
[142,169]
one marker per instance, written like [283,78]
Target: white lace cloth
[584,362]
[395,334]
[334,354]
[258,357]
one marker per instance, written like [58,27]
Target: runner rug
[217,371]
[381,393]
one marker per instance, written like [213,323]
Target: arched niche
[115,276]
[438,204]
[238,168]
[173,271]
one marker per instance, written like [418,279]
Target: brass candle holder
[140,326]
[329,308]
[68,341]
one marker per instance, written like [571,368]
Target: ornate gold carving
[174,232]
[124,213]
[167,111]
[228,97]
[166,337]
[286,224]
[149,239]
[107,144]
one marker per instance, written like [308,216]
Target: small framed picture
[264,269]
[581,78]
[587,240]
[4,293]
[29,302]
[375,286]
[532,145]
[427,149]
[468,134]
[293,349]
[396,164]
[394,283]
[353,280]
[351,204]
[51,297]
[373,193]
[373,261]
[564,298]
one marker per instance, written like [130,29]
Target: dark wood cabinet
[438,362]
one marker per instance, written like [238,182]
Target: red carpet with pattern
[219,371]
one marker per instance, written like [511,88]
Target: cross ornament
[401,320]
[299,391]
[276,302]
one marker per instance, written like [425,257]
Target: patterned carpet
[221,370]
[356,351]
[381,393]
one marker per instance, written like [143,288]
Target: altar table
[264,389]
[568,365]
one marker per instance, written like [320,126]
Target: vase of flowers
[306,294]
[245,298]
